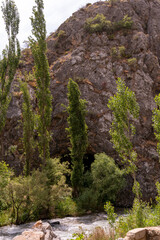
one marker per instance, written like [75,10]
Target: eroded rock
[40,231]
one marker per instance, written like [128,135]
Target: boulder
[40,231]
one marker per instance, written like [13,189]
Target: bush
[125,23]
[132,62]
[36,196]
[107,177]
[139,216]
[66,207]
[61,34]
[88,200]
[122,51]
[100,24]
[114,52]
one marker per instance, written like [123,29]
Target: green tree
[28,127]
[125,111]
[107,178]
[10,57]
[77,133]
[156,121]
[44,98]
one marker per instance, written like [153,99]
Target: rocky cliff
[95,60]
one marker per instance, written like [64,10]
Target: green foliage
[111,215]
[78,236]
[28,127]
[157,207]
[118,52]
[12,149]
[77,134]
[101,184]
[88,200]
[15,195]
[10,57]
[125,111]
[139,216]
[5,175]
[114,52]
[61,34]
[44,98]
[107,178]
[132,62]
[42,194]
[100,24]
[156,122]
[122,51]
[125,23]
[66,207]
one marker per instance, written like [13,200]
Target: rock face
[148,233]
[90,60]
[40,231]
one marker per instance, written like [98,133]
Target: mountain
[120,39]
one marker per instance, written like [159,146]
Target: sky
[56,12]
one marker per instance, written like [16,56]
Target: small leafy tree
[107,178]
[77,133]
[44,98]
[111,215]
[28,127]
[125,111]
[10,57]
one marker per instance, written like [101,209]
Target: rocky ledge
[40,231]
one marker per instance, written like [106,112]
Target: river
[65,229]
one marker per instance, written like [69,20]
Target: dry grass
[100,234]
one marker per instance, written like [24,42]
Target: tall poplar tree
[78,135]
[125,110]
[10,57]
[44,99]
[28,127]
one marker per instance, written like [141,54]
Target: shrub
[107,177]
[114,52]
[125,23]
[132,62]
[98,24]
[139,216]
[118,52]
[61,34]
[111,216]
[122,51]
[66,207]
[88,200]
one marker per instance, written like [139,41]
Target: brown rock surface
[87,58]
[40,231]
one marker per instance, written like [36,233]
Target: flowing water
[64,230]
